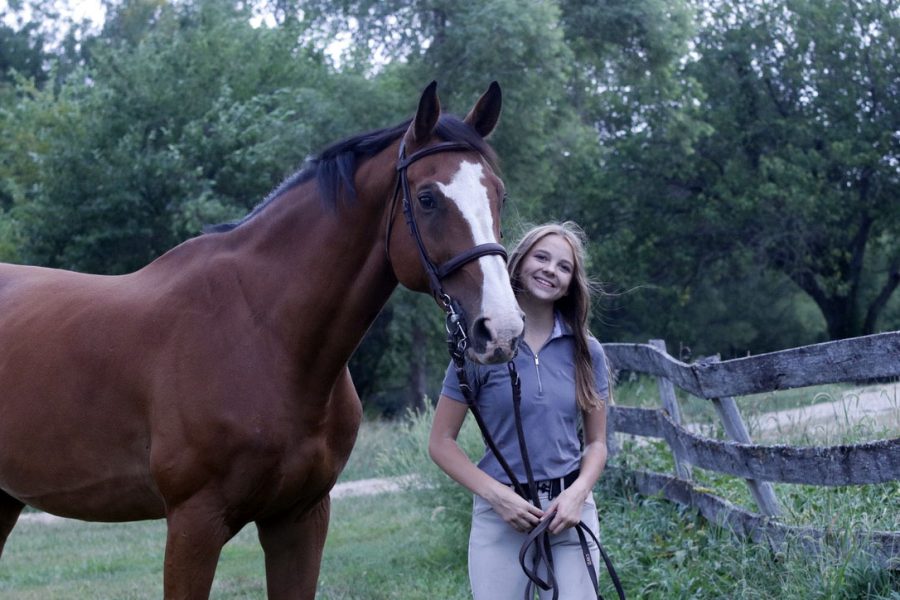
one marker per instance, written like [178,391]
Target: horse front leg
[10,508]
[293,545]
[197,531]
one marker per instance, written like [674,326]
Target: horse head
[452,199]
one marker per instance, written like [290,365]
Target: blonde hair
[575,306]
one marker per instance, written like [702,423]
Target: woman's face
[546,271]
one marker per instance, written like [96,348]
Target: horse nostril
[481,332]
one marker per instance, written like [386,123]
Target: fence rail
[856,359]
[853,360]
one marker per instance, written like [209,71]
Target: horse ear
[486,112]
[426,116]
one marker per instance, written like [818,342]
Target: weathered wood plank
[762,491]
[643,358]
[855,359]
[858,464]
[670,404]
[884,547]
[636,421]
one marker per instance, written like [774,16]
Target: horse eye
[427,201]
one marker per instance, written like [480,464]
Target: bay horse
[211,388]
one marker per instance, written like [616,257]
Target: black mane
[334,168]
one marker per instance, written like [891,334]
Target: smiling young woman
[564,383]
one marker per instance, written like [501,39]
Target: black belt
[554,487]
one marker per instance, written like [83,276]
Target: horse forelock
[334,168]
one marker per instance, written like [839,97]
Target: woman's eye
[426,201]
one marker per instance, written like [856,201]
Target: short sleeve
[450,387]
[601,368]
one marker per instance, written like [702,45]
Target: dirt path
[350,489]
[877,408]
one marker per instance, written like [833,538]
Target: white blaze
[498,303]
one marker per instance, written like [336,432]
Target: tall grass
[662,550]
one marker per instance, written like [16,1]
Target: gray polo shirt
[550,412]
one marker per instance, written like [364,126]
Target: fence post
[670,404]
[762,491]
[612,440]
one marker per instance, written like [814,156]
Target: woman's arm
[446,453]
[567,506]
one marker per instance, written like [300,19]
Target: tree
[191,122]
[21,62]
[22,53]
[776,153]
[465,45]
[820,100]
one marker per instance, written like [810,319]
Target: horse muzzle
[494,340]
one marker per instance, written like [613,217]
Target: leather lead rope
[539,537]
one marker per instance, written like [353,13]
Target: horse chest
[299,461]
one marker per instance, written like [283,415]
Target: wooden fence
[853,360]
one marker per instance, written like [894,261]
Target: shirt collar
[560,327]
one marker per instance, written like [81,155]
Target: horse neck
[320,275]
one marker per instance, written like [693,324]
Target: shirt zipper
[537,368]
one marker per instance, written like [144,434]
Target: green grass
[412,545]
[374,441]
[378,547]
[392,547]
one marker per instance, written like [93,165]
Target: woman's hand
[565,509]
[520,514]
[517,512]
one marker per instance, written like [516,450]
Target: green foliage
[465,45]
[767,152]
[21,52]
[734,164]
[155,138]
[392,381]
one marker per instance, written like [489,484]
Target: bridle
[436,273]
[457,342]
